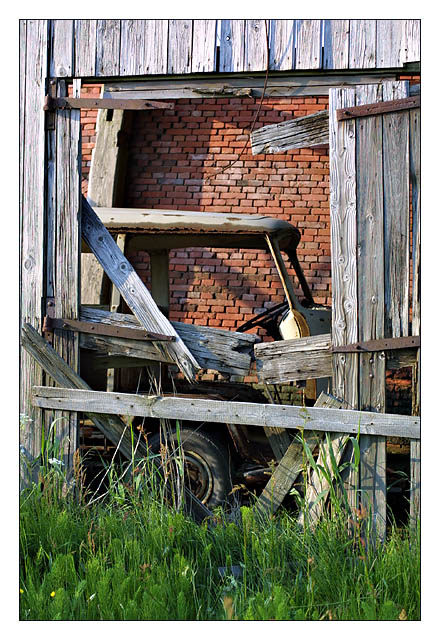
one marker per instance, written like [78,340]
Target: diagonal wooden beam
[111,426]
[134,292]
[306,131]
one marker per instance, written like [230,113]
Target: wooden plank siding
[370,262]
[130,47]
[33,67]
[61,59]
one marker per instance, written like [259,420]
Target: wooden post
[63,238]
[33,73]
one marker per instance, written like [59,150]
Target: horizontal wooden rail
[249,413]
[104,103]
[377,108]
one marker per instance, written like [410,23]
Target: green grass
[131,557]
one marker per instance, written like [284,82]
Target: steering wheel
[264,318]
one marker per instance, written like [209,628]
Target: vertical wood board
[336,43]
[108,47]
[85,47]
[390,37]
[362,54]
[282,44]
[33,61]
[204,47]
[396,210]
[410,51]
[232,45]
[156,53]
[256,49]
[61,59]
[308,44]
[133,46]
[414,155]
[370,218]
[180,33]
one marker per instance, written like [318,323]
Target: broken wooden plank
[288,469]
[117,431]
[301,132]
[249,413]
[134,292]
[297,359]
[318,486]
[227,352]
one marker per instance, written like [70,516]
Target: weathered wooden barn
[372,129]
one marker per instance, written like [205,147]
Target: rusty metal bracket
[51,103]
[101,329]
[385,344]
[377,108]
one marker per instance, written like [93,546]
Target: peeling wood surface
[306,131]
[61,61]
[298,359]
[249,413]
[132,289]
[224,351]
[108,47]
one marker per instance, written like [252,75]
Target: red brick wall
[174,159]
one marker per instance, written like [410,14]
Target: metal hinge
[377,108]
[385,344]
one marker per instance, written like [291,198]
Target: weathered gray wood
[287,471]
[204,46]
[61,60]
[256,49]
[390,38]
[108,42]
[336,40]
[308,44]
[291,134]
[179,46]
[415,450]
[117,431]
[298,359]
[344,256]
[370,222]
[133,290]
[416,226]
[410,51]
[232,45]
[156,53]
[343,245]
[85,47]
[362,53]
[225,351]
[304,84]
[133,46]
[64,189]
[396,208]
[249,413]
[282,44]
[318,484]
[33,69]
